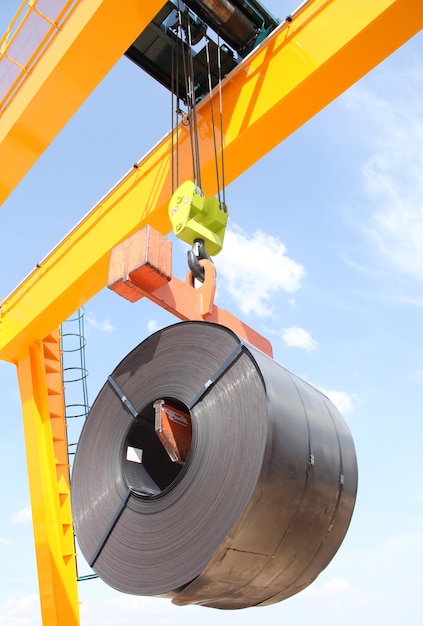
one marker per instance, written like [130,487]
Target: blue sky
[324,256]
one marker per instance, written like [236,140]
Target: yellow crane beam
[93,39]
[299,69]
[302,67]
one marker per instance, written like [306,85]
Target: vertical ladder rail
[75,391]
[40,380]
[74,377]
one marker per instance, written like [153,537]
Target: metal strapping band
[110,527]
[218,373]
[122,396]
[266,446]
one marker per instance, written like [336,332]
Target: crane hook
[198,252]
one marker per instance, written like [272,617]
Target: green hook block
[195,217]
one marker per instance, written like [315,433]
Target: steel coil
[260,505]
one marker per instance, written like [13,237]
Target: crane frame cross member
[299,69]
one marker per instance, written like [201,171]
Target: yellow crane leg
[41,388]
[301,68]
[297,71]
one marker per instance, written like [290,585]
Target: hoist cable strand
[193,106]
[222,139]
[177,111]
[188,92]
[213,120]
[173,124]
[189,100]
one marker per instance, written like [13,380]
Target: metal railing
[74,374]
[31,32]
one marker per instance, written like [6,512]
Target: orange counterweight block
[141,266]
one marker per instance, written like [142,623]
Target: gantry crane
[302,65]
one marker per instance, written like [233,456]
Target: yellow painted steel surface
[98,30]
[41,387]
[302,67]
[37,28]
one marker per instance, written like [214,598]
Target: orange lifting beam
[141,266]
[297,71]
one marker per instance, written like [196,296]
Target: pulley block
[194,217]
[181,30]
[208,473]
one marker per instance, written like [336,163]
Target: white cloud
[392,177]
[5,542]
[104,327]
[393,563]
[255,268]
[334,594]
[417,302]
[153,326]
[23,516]
[341,399]
[336,586]
[370,584]
[105,607]
[296,337]
[21,611]
[417,376]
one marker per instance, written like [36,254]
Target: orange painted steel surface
[30,33]
[174,429]
[144,259]
[92,41]
[297,71]
[301,68]
[132,265]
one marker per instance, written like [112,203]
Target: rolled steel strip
[263,501]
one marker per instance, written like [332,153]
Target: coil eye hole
[156,447]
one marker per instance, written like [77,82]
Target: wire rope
[188,91]
[193,107]
[222,135]
[212,117]
[184,38]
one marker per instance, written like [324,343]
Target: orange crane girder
[297,71]
[91,42]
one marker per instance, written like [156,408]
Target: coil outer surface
[263,501]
